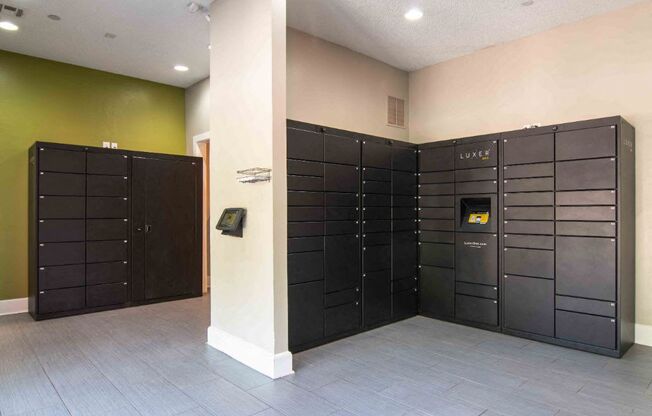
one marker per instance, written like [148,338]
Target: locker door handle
[148,228]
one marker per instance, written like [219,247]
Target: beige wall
[197,111]
[598,67]
[331,85]
[247,118]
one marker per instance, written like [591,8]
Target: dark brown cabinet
[92,249]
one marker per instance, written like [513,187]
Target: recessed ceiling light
[527,3]
[413,14]
[181,68]
[8,26]
[209,47]
[54,17]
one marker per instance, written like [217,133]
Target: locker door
[341,262]
[305,313]
[437,291]
[339,149]
[305,145]
[167,239]
[341,178]
[404,158]
[530,305]
[376,155]
[476,258]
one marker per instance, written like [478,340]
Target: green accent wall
[51,101]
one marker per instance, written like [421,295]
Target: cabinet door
[586,329]
[529,149]
[107,164]
[55,160]
[341,262]
[305,145]
[105,295]
[437,159]
[341,178]
[61,184]
[404,158]
[61,300]
[530,305]
[533,263]
[377,258]
[100,185]
[167,208]
[305,313]
[341,319]
[404,255]
[115,229]
[476,258]
[472,309]
[105,251]
[440,255]
[586,174]
[339,149]
[536,170]
[377,298]
[404,183]
[58,277]
[404,304]
[376,155]
[437,294]
[58,254]
[61,207]
[99,207]
[60,230]
[305,267]
[586,267]
[586,143]
[102,273]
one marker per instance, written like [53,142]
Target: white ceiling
[448,29]
[152,36]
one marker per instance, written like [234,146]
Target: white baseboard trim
[643,334]
[271,365]
[13,306]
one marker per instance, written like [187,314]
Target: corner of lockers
[352,261]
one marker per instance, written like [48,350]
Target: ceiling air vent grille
[395,112]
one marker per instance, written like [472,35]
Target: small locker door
[166,234]
[341,262]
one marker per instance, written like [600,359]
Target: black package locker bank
[529,232]
[352,256]
[111,228]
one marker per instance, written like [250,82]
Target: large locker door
[341,262]
[167,236]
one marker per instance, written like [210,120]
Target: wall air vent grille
[395,112]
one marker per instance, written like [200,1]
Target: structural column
[248,116]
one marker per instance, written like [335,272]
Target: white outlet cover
[106,145]
[114,145]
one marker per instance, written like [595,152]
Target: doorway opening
[201,148]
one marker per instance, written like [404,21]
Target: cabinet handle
[148,228]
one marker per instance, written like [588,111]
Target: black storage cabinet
[111,228]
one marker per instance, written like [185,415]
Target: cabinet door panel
[341,262]
[341,213]
[546,242]
[529,185]
[376,155]
[437,291]
[59,254]
[437,189]
[437,177]
[404,183]
[98,207]
[305,199]
[61,230]
[529,213]
[404,255]
[586,198]
[341,319]
[305,229]
[306,145]
[404,158]
[107,164]
[586,174]
[437,237]
[105,251]
[304,244]
[305,313]
[530,305]
[478,174]
[377,298]
[404,201]
[61,300]
[376,187]
[586,229]
[116,229]
[440,255]
[472,309]
[101,273]
[372,200]
[481,187]
[536,170]
[534,263]
[55,160]
[377,239]
[305,214]
[305,168]
[377,258]
[529,149]
[437,201]
[59,277]
[332,199]
[586,143]
[305,183]
[437,225]
[437,213]
[603,213]
[404,304]
[341,227]
[339,149]
[480,291]
[105,295]
[437,159]
[377,213]
[529,199]
[476,258]
[586,329]
[341,178]
[97,185]
[374,174]
[590,306]
[529,227]
[404,213]
[62,184]
[586,267]
[61,207]
[305,267]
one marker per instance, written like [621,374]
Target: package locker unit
[109,228]
[458,219]
[565,224]
[348,197]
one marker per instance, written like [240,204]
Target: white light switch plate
[114,145]
[106,145]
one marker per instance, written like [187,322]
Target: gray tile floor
[152,360]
